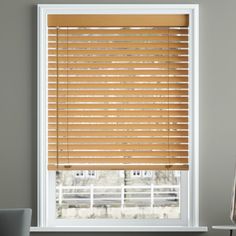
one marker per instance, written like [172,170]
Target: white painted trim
[42,116]
[43,11]
[224,227]
[117,223]
[51,210]
[120,229]
[194,190]
[184,201]
[117,8]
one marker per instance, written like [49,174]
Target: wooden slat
[117,167]
[116,126]
[108,20]
[117,65]
[118,92]
[114,147]
[116,86]
[118,79]
[104,113]
[118,153]
[118,31]
[120,160]
[169,140]
[118,106]
[102,38]
[118,133]
[150,59]
[122,100]
[118,119]
[117,45]
[117,72]
[109,52]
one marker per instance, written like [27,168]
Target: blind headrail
[114,20]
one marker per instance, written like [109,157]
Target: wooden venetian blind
[118,92]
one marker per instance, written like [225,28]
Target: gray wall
[217,105]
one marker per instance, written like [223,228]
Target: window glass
[153,194]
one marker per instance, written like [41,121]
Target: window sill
[120,229]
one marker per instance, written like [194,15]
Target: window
[118,115]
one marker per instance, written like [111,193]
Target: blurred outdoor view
[118,194]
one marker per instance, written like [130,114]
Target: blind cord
[57,113]
[168,97]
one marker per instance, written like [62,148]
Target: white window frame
[46,211]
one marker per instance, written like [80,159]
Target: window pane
[118,194]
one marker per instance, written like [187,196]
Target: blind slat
[116,126]
[105,113]
[117,59]
[116,45]
[118,65]
[94,147]
[117,72]
[117,133]
[170,140]
[117,106]
[121,160]
[118,153]
[64,167]
[115,86]
[123,100]
[126,52]
[118,119]
[118,31]
[127,92]
[119,79]
[71,37]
